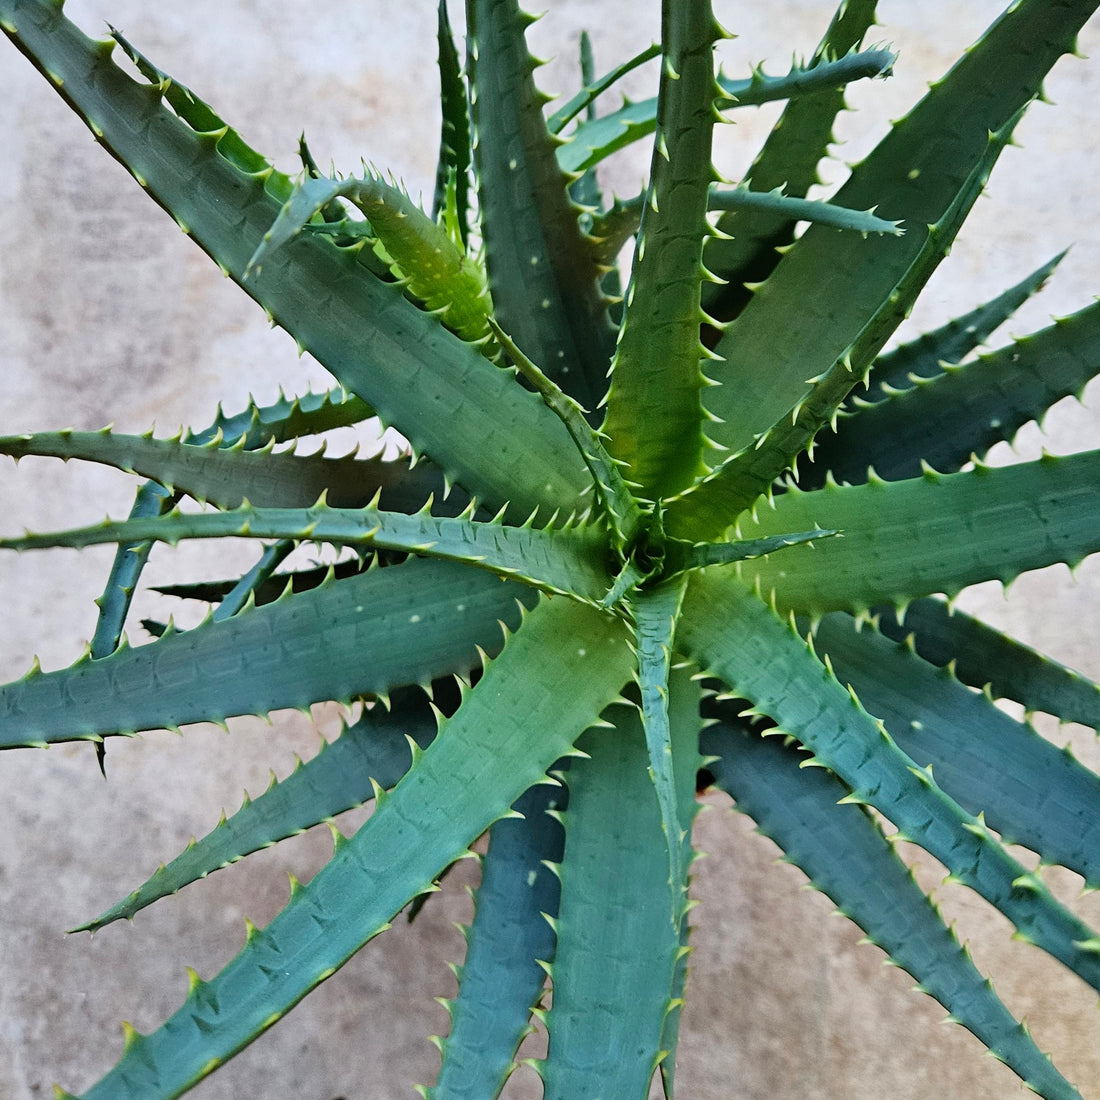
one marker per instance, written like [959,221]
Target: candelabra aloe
[713,552]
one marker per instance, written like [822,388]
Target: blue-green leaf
[982,656]
[728,632]
[374,750]
[801,810]
[501,978]
[542,275]
[466,779]
[1028,790]
[608,1013]
[365,634]
[653,406]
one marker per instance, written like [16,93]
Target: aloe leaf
[594,88]
[594,141]
[794,208]
[728,632]
[935,533]
[291,418]
[128,563]
[985,658]
[536,252]
[746,474]
[613,229]
[621,510]
[435,268]
[984,759]
[269,590]
[685,556]
[798,808]
[746,247]
[118,593]
[197,113]
[228,476]
[914,174]
[952,342]
[655,375]
[466,779]
[334,212]
[685,721]
[822,74]
[608,1013]
[287,418]
[365,634]
[362,329]
[946,420]
[571,561]
[338,778]
[654,612]
[585,189]
[244,590]
[508,943]
[453,168]
[200,116]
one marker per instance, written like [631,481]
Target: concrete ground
[108,314]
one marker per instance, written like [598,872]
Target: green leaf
[985,760]
[129,560]
[608,1013]
[685,720]
[799,809]
[443,395]
[435,268]
[794,209]
[654,612]
[585,189]
[284,420]
[963,411]
[653,410]
[747,246]
[952,342]
[363,635]
[197,113]
[501,977]
[593,89]
[455,154]
[685,556]
[269,590]
[621,510]
[228,476]
[981,656]
[935,533]
[569,560]
[244,591]
[543,278]
[711,505]
[375,749]
[457,788]
[594,141]
[612,230]
[914,174]
[731,634]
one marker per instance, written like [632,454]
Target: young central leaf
[654,413]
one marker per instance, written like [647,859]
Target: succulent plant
[659,525]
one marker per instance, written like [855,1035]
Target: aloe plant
[656,529]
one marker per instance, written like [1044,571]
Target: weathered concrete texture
[108,313]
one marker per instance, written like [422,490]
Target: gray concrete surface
[108,313]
